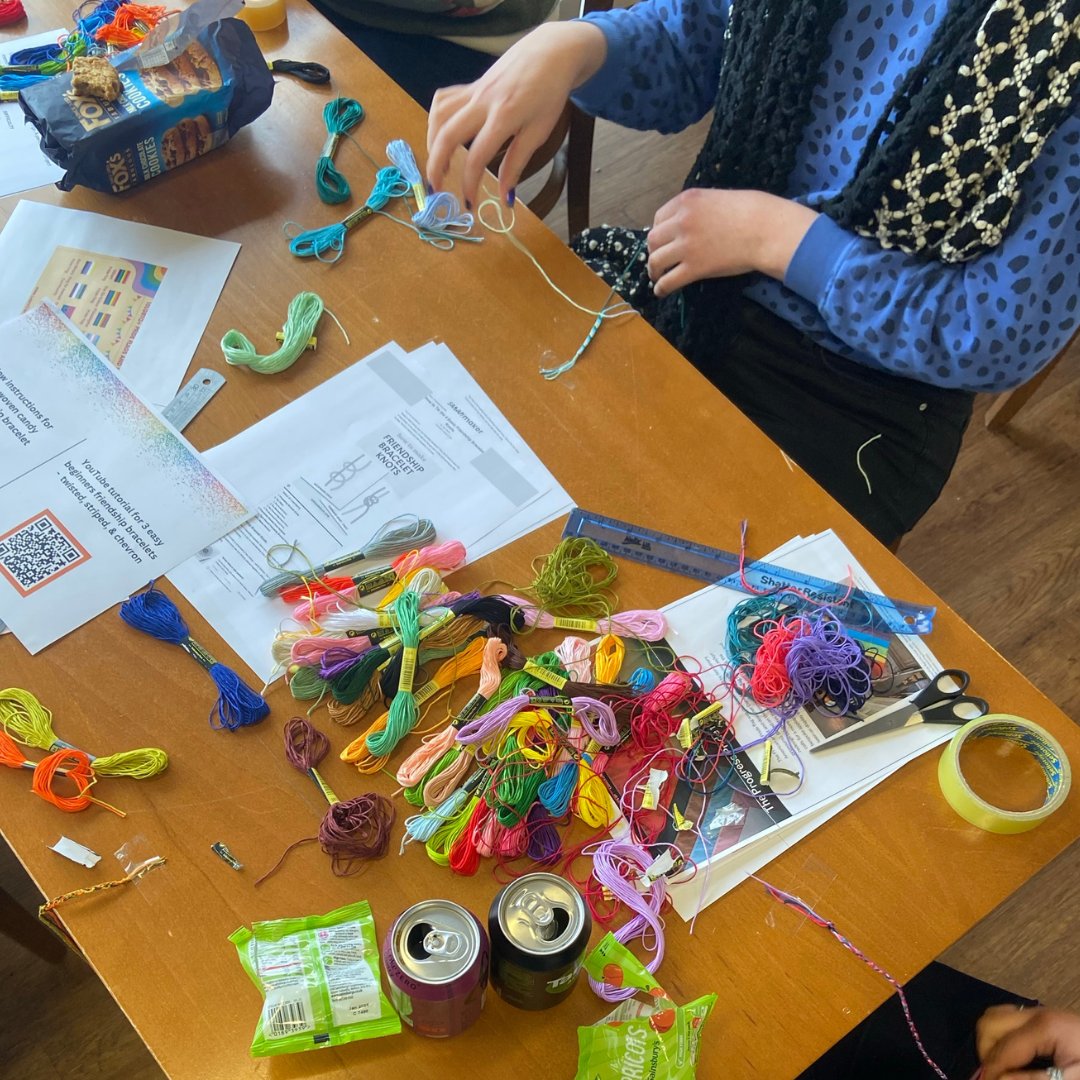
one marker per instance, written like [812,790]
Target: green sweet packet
[319,977]
[639,1040]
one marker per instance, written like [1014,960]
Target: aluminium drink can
[539,929]
[436,958]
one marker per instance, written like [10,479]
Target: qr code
[38,551]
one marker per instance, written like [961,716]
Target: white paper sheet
[833,779]
[22,163]
[393,434]
[142,295]
[98,494]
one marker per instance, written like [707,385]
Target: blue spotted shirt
[987,324]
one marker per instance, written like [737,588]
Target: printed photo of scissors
[942,701]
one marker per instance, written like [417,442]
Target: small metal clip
[222,852]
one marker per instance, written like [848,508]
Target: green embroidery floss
[303,316]
[574,579]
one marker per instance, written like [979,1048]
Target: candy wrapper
[320,979]
[652,1039]
[179,99]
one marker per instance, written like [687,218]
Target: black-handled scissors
[943,701]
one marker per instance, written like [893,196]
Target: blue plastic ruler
[626,541]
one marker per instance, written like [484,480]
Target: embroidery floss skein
[305,748]
[644,625]
[324,593]
[403,714]
[615,865]
[351,832]
[340,116]
[155,614]
[11,11]
[74,765]
[403,533]
[416,766]
[423,826]
[566,584]
[305,310]
[399,153]
[27,721]
[327,243]
[361,751]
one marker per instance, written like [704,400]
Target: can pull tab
[445,944]
[539,913]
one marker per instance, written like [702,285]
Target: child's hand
[517,101]
[713,232]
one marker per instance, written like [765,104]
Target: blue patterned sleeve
[984,325]
[662,65]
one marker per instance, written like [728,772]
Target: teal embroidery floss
[327,244]
[303,316]
[340,116]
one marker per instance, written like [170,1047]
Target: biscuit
[207,74]
[94,76]
[189,139]
[164,84]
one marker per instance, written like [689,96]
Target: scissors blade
[889,720]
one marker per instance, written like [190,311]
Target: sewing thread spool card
[98,494]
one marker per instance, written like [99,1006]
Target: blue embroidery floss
[441,223]
[155,614]
[331,238]
[443,213]
[340,116]
[400,154]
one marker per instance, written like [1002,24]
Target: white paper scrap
[76,852]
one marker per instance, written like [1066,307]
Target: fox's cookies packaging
[164,117]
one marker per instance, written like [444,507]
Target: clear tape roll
[1042,746]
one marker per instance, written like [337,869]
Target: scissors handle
[949,683]
[958,709]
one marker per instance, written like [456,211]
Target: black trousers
[945,1005]
[420,65]
[881,445]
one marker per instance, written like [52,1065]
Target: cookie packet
[184,91]
[649,1038]
[319,976]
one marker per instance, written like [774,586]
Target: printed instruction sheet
[98,494]
[393,434]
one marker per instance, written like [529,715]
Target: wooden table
[634,432]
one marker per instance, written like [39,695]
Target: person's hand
[517,101]
[713,232]
[1008,1039]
